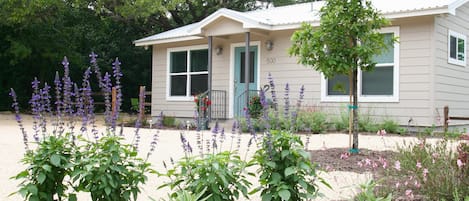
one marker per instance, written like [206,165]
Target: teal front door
[239,78]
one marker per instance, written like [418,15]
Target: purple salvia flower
[97,71]
[298,105]
[159,121]
[185,144]
[45,107]
[215,132]
[58,104]
[107,99]
[233,133]
[272,90]
[287,101]
[117,76]
[86,99]
[222,137]
[138,123]
[16,108]
[35,107]
[153,143]
[249,124]
[199,142]
[265,110]
[67,89]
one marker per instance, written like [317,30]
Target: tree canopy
[346,40]
[36,35]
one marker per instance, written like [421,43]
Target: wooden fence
[447,118]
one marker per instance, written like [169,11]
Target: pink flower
[397,165]
[367,162]
[375,165]
[409,193]
[381,132]
[425,172]
[460,163]
[419,165]
[385,164]
[398,184]
[435,155]
[416,184]
[360,164]
[344,155]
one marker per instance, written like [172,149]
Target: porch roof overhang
[274,19]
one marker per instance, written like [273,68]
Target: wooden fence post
[114,100]
[446,116]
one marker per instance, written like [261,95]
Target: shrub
[102,165]
[367,124]
[214,174]
[390,126]
[110,170]
[316,122]
[341,122]
[432,171]
[169,121]
[368,193]
[286,172]
[48,165]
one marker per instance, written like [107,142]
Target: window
[379,85]
[456,48]
[187,72]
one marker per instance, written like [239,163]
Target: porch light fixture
[269,45]
[219,50]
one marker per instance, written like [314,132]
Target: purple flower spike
[58,104]
[107,99]
[97,71]
[16,108]
[117,74]
[153,143]
[35,103]
[138,123]
[272,90]
[265,110]
[67,90]
[45,106]
[287,101]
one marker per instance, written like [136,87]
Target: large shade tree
[346,40]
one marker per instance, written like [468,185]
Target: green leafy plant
[217,176]
[368,193]
[366,123]
[49,164]
[169,121]
[110,170]
[184,195]
[390,126]
[286,172]
[316,122]
[433,171]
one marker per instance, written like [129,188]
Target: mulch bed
[330,159]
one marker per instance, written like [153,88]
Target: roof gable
[291,17]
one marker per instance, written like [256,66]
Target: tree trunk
[355,110]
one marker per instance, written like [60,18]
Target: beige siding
[415,66]
[451,81]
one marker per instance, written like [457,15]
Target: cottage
[426,70]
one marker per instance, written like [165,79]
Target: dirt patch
[339,159]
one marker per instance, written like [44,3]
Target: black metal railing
[215,110]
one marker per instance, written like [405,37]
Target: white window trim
[187,97]
[457,36]
[370,98]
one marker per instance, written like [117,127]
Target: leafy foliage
[110,170]
[368,193]
[48,165]
[432,171]
[219,175]
[286,172]
[346,40]
[255,107]
[316,122]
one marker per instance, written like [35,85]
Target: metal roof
[290,17]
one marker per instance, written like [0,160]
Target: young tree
[346,40]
